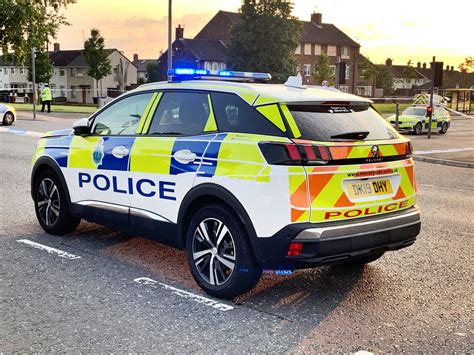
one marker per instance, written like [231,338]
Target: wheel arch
[206,194]
[7,112]
[47,163]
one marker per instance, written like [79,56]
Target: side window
[235,115]
[181,113]
[122,117]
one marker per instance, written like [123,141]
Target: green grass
[389,108]
[57,108]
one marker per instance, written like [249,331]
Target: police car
[7,114]
[245,176]
[415,118]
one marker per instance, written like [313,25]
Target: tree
[408,74]
[25,24]
[43,68]
[385,80]
[152,72]
[466,67]
[323,71]
[266,39]
[97,57]
[367,70]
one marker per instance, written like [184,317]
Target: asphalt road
[416,299]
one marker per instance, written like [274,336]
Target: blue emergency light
[180,74]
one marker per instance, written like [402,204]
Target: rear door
[166,157]
[357,165]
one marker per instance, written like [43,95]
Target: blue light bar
[190,73]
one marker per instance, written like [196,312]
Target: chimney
[179,32]
[135,57]
[418,65]
[317,18]
[452,68]
[447,67]
[431,65]
[56,47]
[424,65]
[388,62]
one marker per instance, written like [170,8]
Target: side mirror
[81,127]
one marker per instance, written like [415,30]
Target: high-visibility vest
[46,94]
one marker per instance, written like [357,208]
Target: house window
[307,48]
[348,71]
[317,49]
[333,69]
[331,51]
[345,52]
[344,89]
[13,70]
[62,72]
[77,72]
[298,49]
[22,70]
[62,92]
[307,69]
[364,90]
[5,70]
[73,92]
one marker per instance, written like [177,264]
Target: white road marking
[449,150]
[21,132]
[185,294]
[60,253]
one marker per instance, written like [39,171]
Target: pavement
[101,290]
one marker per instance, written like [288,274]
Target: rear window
[335,123]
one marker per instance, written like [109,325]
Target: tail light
[294,154]
[294,249]
[409,150]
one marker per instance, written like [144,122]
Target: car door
[97,173]
[166,157]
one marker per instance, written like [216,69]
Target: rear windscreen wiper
[352,135]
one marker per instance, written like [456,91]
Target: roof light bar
[190,73]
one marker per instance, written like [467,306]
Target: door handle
[120,151]
[184,156]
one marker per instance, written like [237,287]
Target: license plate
[367,188]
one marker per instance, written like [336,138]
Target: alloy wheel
[8,119]
[48,202]
[213,249]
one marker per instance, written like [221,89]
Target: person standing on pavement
[46,97]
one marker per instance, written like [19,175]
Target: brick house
[318,38]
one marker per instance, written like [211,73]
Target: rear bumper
[335,242]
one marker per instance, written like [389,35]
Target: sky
[401,29]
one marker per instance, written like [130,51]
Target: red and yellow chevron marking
[326,192]
[298,194]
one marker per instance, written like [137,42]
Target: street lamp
[33,76]
[170,52]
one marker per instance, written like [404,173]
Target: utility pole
[33,75]
[430,113]
[170,29]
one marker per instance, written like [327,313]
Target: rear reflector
[295,249]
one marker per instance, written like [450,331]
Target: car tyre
[52,206]
[418,129]
[444,128]
[8,119]
[219,253]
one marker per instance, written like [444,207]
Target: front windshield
[415,111]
